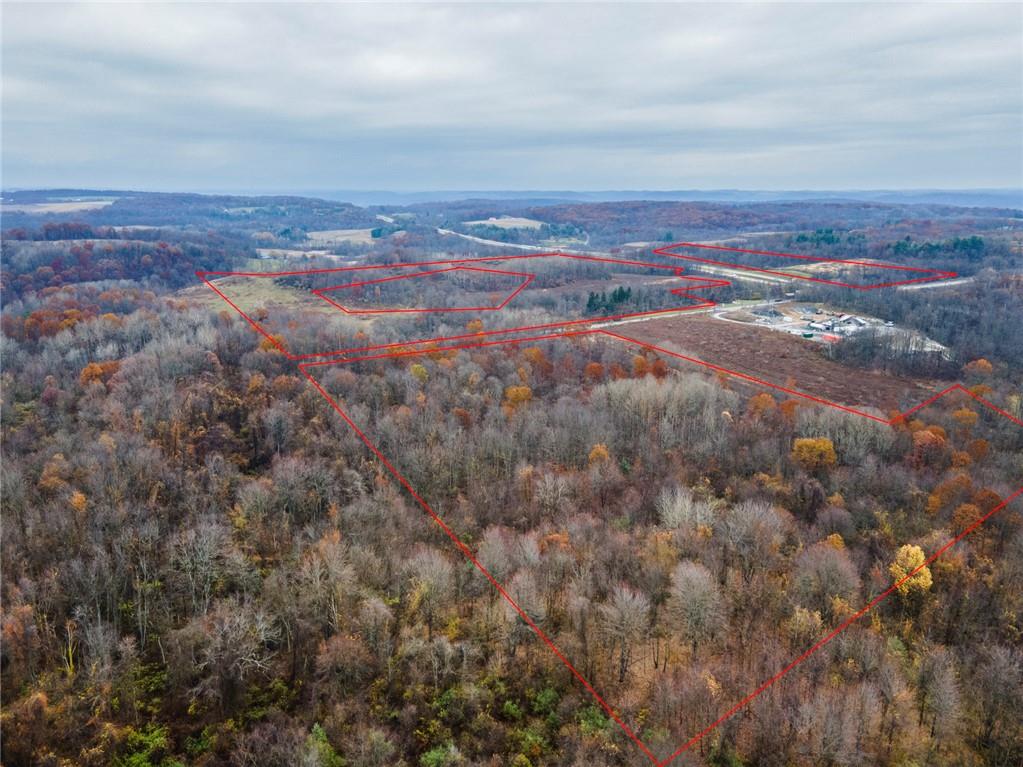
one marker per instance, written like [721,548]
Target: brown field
[777,358]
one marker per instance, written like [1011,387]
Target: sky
[268,97]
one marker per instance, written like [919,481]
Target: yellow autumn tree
[814,453]
[515,397]
[271,344]
[965,417]
[599,454]
[256,383]
[910,559]
[419,372]
[79,501]
[55,474]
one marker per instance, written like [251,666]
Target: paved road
[735,274]
[938,284]
[519,246]
[715,310]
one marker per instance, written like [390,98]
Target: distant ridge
[995,198]
[975,198]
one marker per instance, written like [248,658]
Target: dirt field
[777,358]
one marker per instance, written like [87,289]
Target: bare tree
[626,620]
[751,533]
[679,509]
[203,557]
[696,604]
[432,583]
[822,574]
[236,642]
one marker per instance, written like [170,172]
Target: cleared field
[289,253]
[563,243]
[612,281]
[354,236]
[71,206]
[777,358]
[507,222]
[253,294]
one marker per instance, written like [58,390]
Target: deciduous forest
[203,564]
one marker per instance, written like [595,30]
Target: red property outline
[933,274]
[477,342]
[404,482]
[527,278]
[700,282]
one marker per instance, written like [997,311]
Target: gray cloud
[275,97]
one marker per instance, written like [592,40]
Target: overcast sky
[267,97]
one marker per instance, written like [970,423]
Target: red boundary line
[478,343]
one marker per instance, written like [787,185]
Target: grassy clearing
[289,253]
[507,222]
[72,206]
[354,236]
[251,293]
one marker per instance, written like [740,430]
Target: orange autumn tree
[98,372]
[759,404]
[948,492]
[640,366]
[965,516]
[91,373]
[965,417]
[979,368]
[594,371]
[538,360]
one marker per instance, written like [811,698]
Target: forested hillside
[203,564]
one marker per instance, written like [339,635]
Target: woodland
[203,564]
